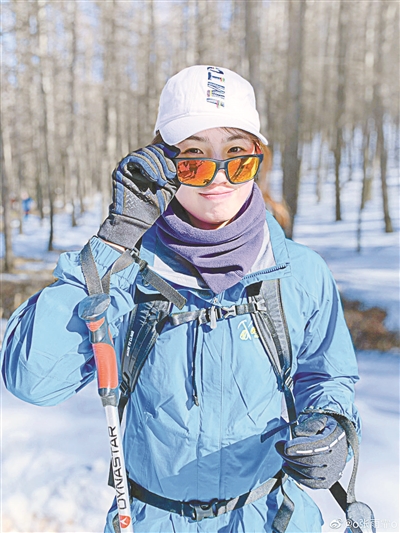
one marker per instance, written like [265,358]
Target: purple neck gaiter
[221,256]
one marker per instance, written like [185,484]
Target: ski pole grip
[93,310]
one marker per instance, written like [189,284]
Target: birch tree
[5,158]
[340,101]
[47,127]
[291,161]
[379,111]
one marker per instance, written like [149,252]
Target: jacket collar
[281,265]
[273,262]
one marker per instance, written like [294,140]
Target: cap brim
[181,128]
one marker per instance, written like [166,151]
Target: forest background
[81,82]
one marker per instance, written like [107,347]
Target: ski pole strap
[352,440]
[123,261]
[340,495]
[164,288]
[89,269]
[96,285]
[360,517]
[199,510]
[151,278]
[284,514]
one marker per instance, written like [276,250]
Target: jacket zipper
[282,266]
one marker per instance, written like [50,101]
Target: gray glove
[144,183]
[317,455]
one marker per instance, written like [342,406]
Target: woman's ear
[258,148]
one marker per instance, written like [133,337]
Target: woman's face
[214,206]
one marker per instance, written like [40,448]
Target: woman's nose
[221,176]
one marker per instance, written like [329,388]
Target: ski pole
[93,311]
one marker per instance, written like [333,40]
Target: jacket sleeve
[46,354]
[326,363]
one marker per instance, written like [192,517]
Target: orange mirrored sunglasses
[200,172]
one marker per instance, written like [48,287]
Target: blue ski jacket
[173,447]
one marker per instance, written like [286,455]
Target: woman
[203,423]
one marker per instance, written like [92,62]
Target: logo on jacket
[247,330]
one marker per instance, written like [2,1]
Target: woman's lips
[217,194]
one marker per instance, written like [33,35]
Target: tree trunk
[379,113]
[5,155]
[201,20]
[72,164]
[109,141]
[321,169]
[324,101]
[151,76]
[340,102]
[252,42]
[382,151]
[291,161]
[47,123]
[22,60]
[364,187]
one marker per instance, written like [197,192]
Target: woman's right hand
[144,183]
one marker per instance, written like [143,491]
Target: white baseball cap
[203,97]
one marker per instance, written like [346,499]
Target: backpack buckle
[201,510]
[226,312]
[212,316]
[219,313]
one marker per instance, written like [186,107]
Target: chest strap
[212,314]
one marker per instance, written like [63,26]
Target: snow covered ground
[371,275]
[377,398]
[55,459]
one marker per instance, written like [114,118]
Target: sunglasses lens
[195,172]
[243,169]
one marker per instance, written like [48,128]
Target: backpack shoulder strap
[270,323]
[271,326]
[146,323]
